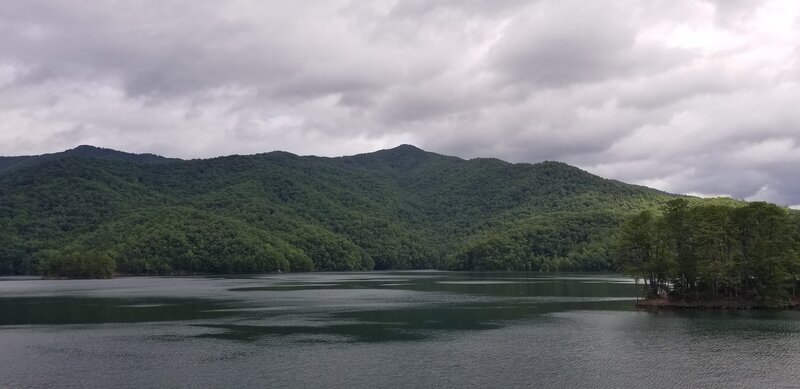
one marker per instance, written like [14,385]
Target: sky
[699,97]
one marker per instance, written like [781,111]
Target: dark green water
[380,329]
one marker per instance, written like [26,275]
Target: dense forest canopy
[709,251]
[95,212]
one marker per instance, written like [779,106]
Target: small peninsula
[710,256]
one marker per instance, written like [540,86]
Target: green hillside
[8,164]
[75,212]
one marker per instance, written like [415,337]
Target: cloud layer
[687,96]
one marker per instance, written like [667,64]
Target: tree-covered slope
[401,208]
[8,164]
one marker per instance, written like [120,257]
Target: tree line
[100,212]
[702,252]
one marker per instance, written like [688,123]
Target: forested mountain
[11,163]
[90,211]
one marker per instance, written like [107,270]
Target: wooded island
[713,256]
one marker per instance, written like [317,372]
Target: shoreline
[178,275]
[655,304]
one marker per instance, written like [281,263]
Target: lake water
[379,329]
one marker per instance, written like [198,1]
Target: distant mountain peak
[8,164]
[407,148]
[89,150]
[86,147]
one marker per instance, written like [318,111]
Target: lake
[379,329]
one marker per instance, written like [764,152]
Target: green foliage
[76,264]
[564,241]
[712,251]
[644,252]
[394,209]
[181,240]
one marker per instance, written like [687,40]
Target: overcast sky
[699,97]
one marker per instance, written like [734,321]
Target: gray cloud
[566,42]
[691,97]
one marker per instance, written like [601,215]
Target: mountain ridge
[399,208]
[10,163]
[97,152]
